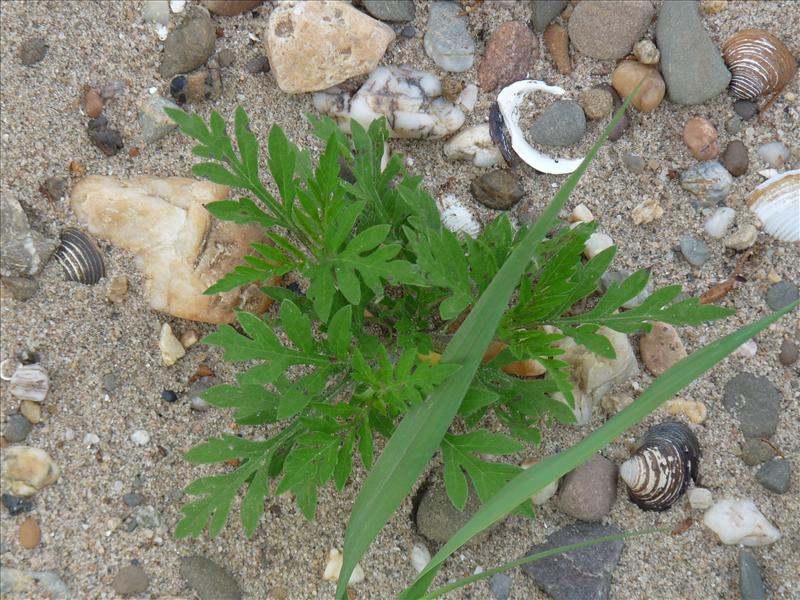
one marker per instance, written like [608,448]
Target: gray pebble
[497,189]
[195,393]
[708,180]
[208,580]
[390,10]
[110,382]
[17,428]
[108,140]
[226,57]
[544,11]
[781,294]
[257,64]
[745,109]
[734,125]
[775,475]
[608,30]
[755,402]
[15,580]
[32,50]
[789,353]
[735,158]
[54,187]
[190,44]
[153,121]
[633,162]
[409,32]
[589,491]
[751,587]
[133,499]
[500,584]
[17,504]
[130,580]
[694,250]
[148,517]
[775,154]
[447,41]
[560,124]
[756,451]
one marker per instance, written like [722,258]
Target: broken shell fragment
[334,566]
[30,382]
[80,258]
[776,201]
[660,470]
[474,144]
[457,217]
[509,100]
[759,63]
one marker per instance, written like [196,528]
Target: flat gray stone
[755,402]
[583,574]
[447,41]
[544,11]
[775,475]
[190,44]
[751,587]
[694,250]
[153,121]
[391,10]
[23,252]
[781,294]
[17,428]
[208,579]
[560,124]
[608,30]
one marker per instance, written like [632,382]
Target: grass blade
[529,482]
[419,434]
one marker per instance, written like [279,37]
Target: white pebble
[171,347]
[162,32]
[474,144]
[334,567]
[90,439]
[420,557]
[700,498]
[774,153]
[718,223]
[742,238]
[177,6]
[740,522]
[30,382]
[596,243]
[747,350]
[581,214]
[140,437]
[468,97]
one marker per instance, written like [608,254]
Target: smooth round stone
[398,11]
[30,534]
[560,124]
[130,580]
[717,224]
[700,136]
[447,41]
[742,239]
[700,498]
[596,103]
[755,402]
[661,348]
[190,44]
[17,428]
[775,475]
[510,54]
[209,580]
[781,294]
[588,492]
[775,154]
[609,29]
[735,158]
[633,162]
[154,123]
[499,190]
[646,52]
[789,353]
[708,180]
[751,586]
[132,499]
[32,50]
[694,250]
[745,109]
[628,75]
[756,451]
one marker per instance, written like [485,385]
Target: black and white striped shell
[80,258]
[660,470]
[759,63]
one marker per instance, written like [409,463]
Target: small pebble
[734,125]
[131,580]
[738,521]
[589,491]
[633,162]
[694,250]
[617,277]
[30,534]
[556,40]
[500,584]
[209,580]
[197,86]
[613,403]
[647,211]
[755,403]
[169,396]
[26,470]
[256,65]
[195,393]
[132,499]
[156,11]
[646,52]
[140,437]
[735,159]
[747,350]
[17,428]
[775,154]
[30,382]
[596,243]
[775,475]
[226,57]
[17,505]
[117,289]
[420,557]
[408,32]
[32,50]
[700,137]
[742,239]
[54,188]
[31,410]
[170,346]
[751,586]
[189,338]
[499,190]
[447,40]
[745,109]
[108,140]
[717,224]
[112,89]
[696,412]
[708,180]
[781,294]
[91,439]
[756,451]
[510,54]
[92,102]
[700,498]
[627,76]
[596,103]
[661,348]
[789,353]
[560,124]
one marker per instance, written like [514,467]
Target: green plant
[387,284]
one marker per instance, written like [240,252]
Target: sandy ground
[82,338]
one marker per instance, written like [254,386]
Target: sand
[82,338]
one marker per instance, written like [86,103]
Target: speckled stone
[755,402]
[560,124]
[775,475]
[17,428]
[391,10]
[781,294]
[745,109]
[589,491]
[499,190]
[708,180]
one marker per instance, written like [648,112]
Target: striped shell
[80,258]
[777,204]
[759,63]
[660,470]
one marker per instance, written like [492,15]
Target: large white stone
[740,522]
[26,470]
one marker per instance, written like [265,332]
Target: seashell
[497,131]
[759,63]
[659,472]
[30,382]
[776,201]
[80,258]
[457,217]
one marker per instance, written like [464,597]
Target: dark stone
[190,44]
[751,587]
[498,189]
[28,357]
[130,580]
[589,491]
[17,505]
[390,10]
[32,50]
[694,250]
[583,574]
[257,64]
[54,188]
[132,499]
[735,159]
[756,451]
[755,402]
[500,584]
[781,294]
[208,579]
[409,32]
[23,251]
[17,428]
[198,86]
[169,396]
[775,475]
[544,11]
[745,109]
[789,353]
[560,124]
[108,140]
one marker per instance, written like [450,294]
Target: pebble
[447,41]
[54,188]
[544,11]
[596,243]
[409,32]
[694,250]
[17,504]
[510,54]
[147,517]
[132,499]
[742,239]
[775,154]
[661,348]
[229,8]
[585,573]
[751,586]
[625,122]
[26,470]
[734,125]
[91,439]
[190,44]
[195,393]
[560,124]
[108,140]
[700,498]
[23,251]
[32,50]
[756,451]
[755,402]
[596,103]
[747,350]
[208,580]
[30,382]
[30,534]
[608,30]
[548,491]
[647,211]
[700,137]
[589,491]
[789,352]
[169,396]
[613,403]
[775,475]
[737,521]
[745,109]
[420,557]
[633,162]
[474,144]
[696,412]
[278,592]
[735,158]
[708,180]
[628,75]
[437,519]
[691,64]
[556,39]
[140,437]
[396,11]
[17,428]
[16,581]
[500,583]
[131,580]
[156,11]
[226,57]
[31,410]
[197,86]
[334,567]
[189,338]
[92,102]
[117,289]
[257,64]
[646,52]
[499,190]
[171,348]
[717,224]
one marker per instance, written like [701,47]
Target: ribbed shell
[759,63]
[777,204]
[80,258]
[660,470]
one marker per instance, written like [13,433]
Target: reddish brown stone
[510,54]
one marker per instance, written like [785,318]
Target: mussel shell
[759,63]
[80,258]
[660,470]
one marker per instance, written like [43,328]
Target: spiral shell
[759,63]
[659,472]
[80,258]
[777,204]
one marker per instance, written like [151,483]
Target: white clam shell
[776,202]
[474,144]
[509,101]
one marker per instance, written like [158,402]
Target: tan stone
[700,137]
[312,46]
[25,470]
[30,533]
[628,75]
[182,249]
[557,41]
[31,410]
[661,348]
[228,8]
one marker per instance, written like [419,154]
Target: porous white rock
[474,144]
[140,437]
[737,521]
[26,470]
[170,346]
[334,566]
[717,224]
[30,382]
[420,557]
[700,498]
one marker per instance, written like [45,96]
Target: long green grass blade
[529,482]
[538,556]
[421,431]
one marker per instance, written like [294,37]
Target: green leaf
[218,174]
[242,211]
[281,163]
[340,332]
[248,145]
[297,326]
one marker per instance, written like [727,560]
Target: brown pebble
[700,137]
[556,39]
[789,353]
[29,533]
[92,102]
[628,75]
[735,158]
[661,348]
[76,168]
[510,54]
[596,103]
[31,410]
[134,152]
[451,88]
